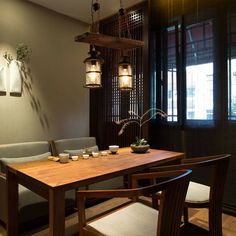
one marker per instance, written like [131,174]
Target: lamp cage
[125,81]
[93,70]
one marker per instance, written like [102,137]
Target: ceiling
[81,9]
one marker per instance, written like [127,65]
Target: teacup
[95,154]
[103,153]
[85,156]
[113,149]
[74,158]
[64,157]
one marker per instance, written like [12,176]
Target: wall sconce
[93,69]
[125,81]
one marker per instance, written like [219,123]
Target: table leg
[12,203]
[57,212]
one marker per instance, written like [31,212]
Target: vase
[2,80]
[15,77]
[140,148]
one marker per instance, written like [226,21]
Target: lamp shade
[93,70]
[125,75]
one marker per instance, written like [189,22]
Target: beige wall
[57,106]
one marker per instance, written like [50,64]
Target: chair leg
[215,221]
[185,215]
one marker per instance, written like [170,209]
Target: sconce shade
[125,75]
[93,70]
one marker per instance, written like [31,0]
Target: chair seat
[135,219]
[197,192]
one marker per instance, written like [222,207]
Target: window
[232,67]
[188,90]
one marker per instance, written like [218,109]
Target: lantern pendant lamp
[125,77]
[125,80]
[93,69]
[94,61]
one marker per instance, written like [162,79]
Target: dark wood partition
[108,104]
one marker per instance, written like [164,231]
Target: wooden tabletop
[54,174]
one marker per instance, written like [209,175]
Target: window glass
[199,71]
[199,83]
[172,75]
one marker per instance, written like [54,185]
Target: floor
[197,216]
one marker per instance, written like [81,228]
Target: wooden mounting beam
[108,41]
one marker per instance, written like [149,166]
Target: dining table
[52,179]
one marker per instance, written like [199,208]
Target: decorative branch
[140,120]
[22,53]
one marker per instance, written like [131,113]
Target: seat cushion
[133,220]
[197,192]
[33,207]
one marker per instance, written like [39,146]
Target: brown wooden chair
[200,195]
[136,218]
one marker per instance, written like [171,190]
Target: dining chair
[201,195]
[136,218]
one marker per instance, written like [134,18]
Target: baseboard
[229,209]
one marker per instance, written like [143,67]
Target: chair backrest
[24,149]
[174,191]
[219,165]
[219,170]
[22,152]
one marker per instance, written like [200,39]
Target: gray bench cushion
[74,143]
[23,149]
[79,152]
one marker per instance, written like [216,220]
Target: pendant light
[125,78]
[93,64]
[123,42]
[125,75]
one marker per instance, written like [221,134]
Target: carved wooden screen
[109,103]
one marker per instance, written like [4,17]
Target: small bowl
[104,153]
[140,148]
[95,154]
[74,158]
[113,149]
[86,156]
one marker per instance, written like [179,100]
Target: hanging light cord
[123,17]
[95,7]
